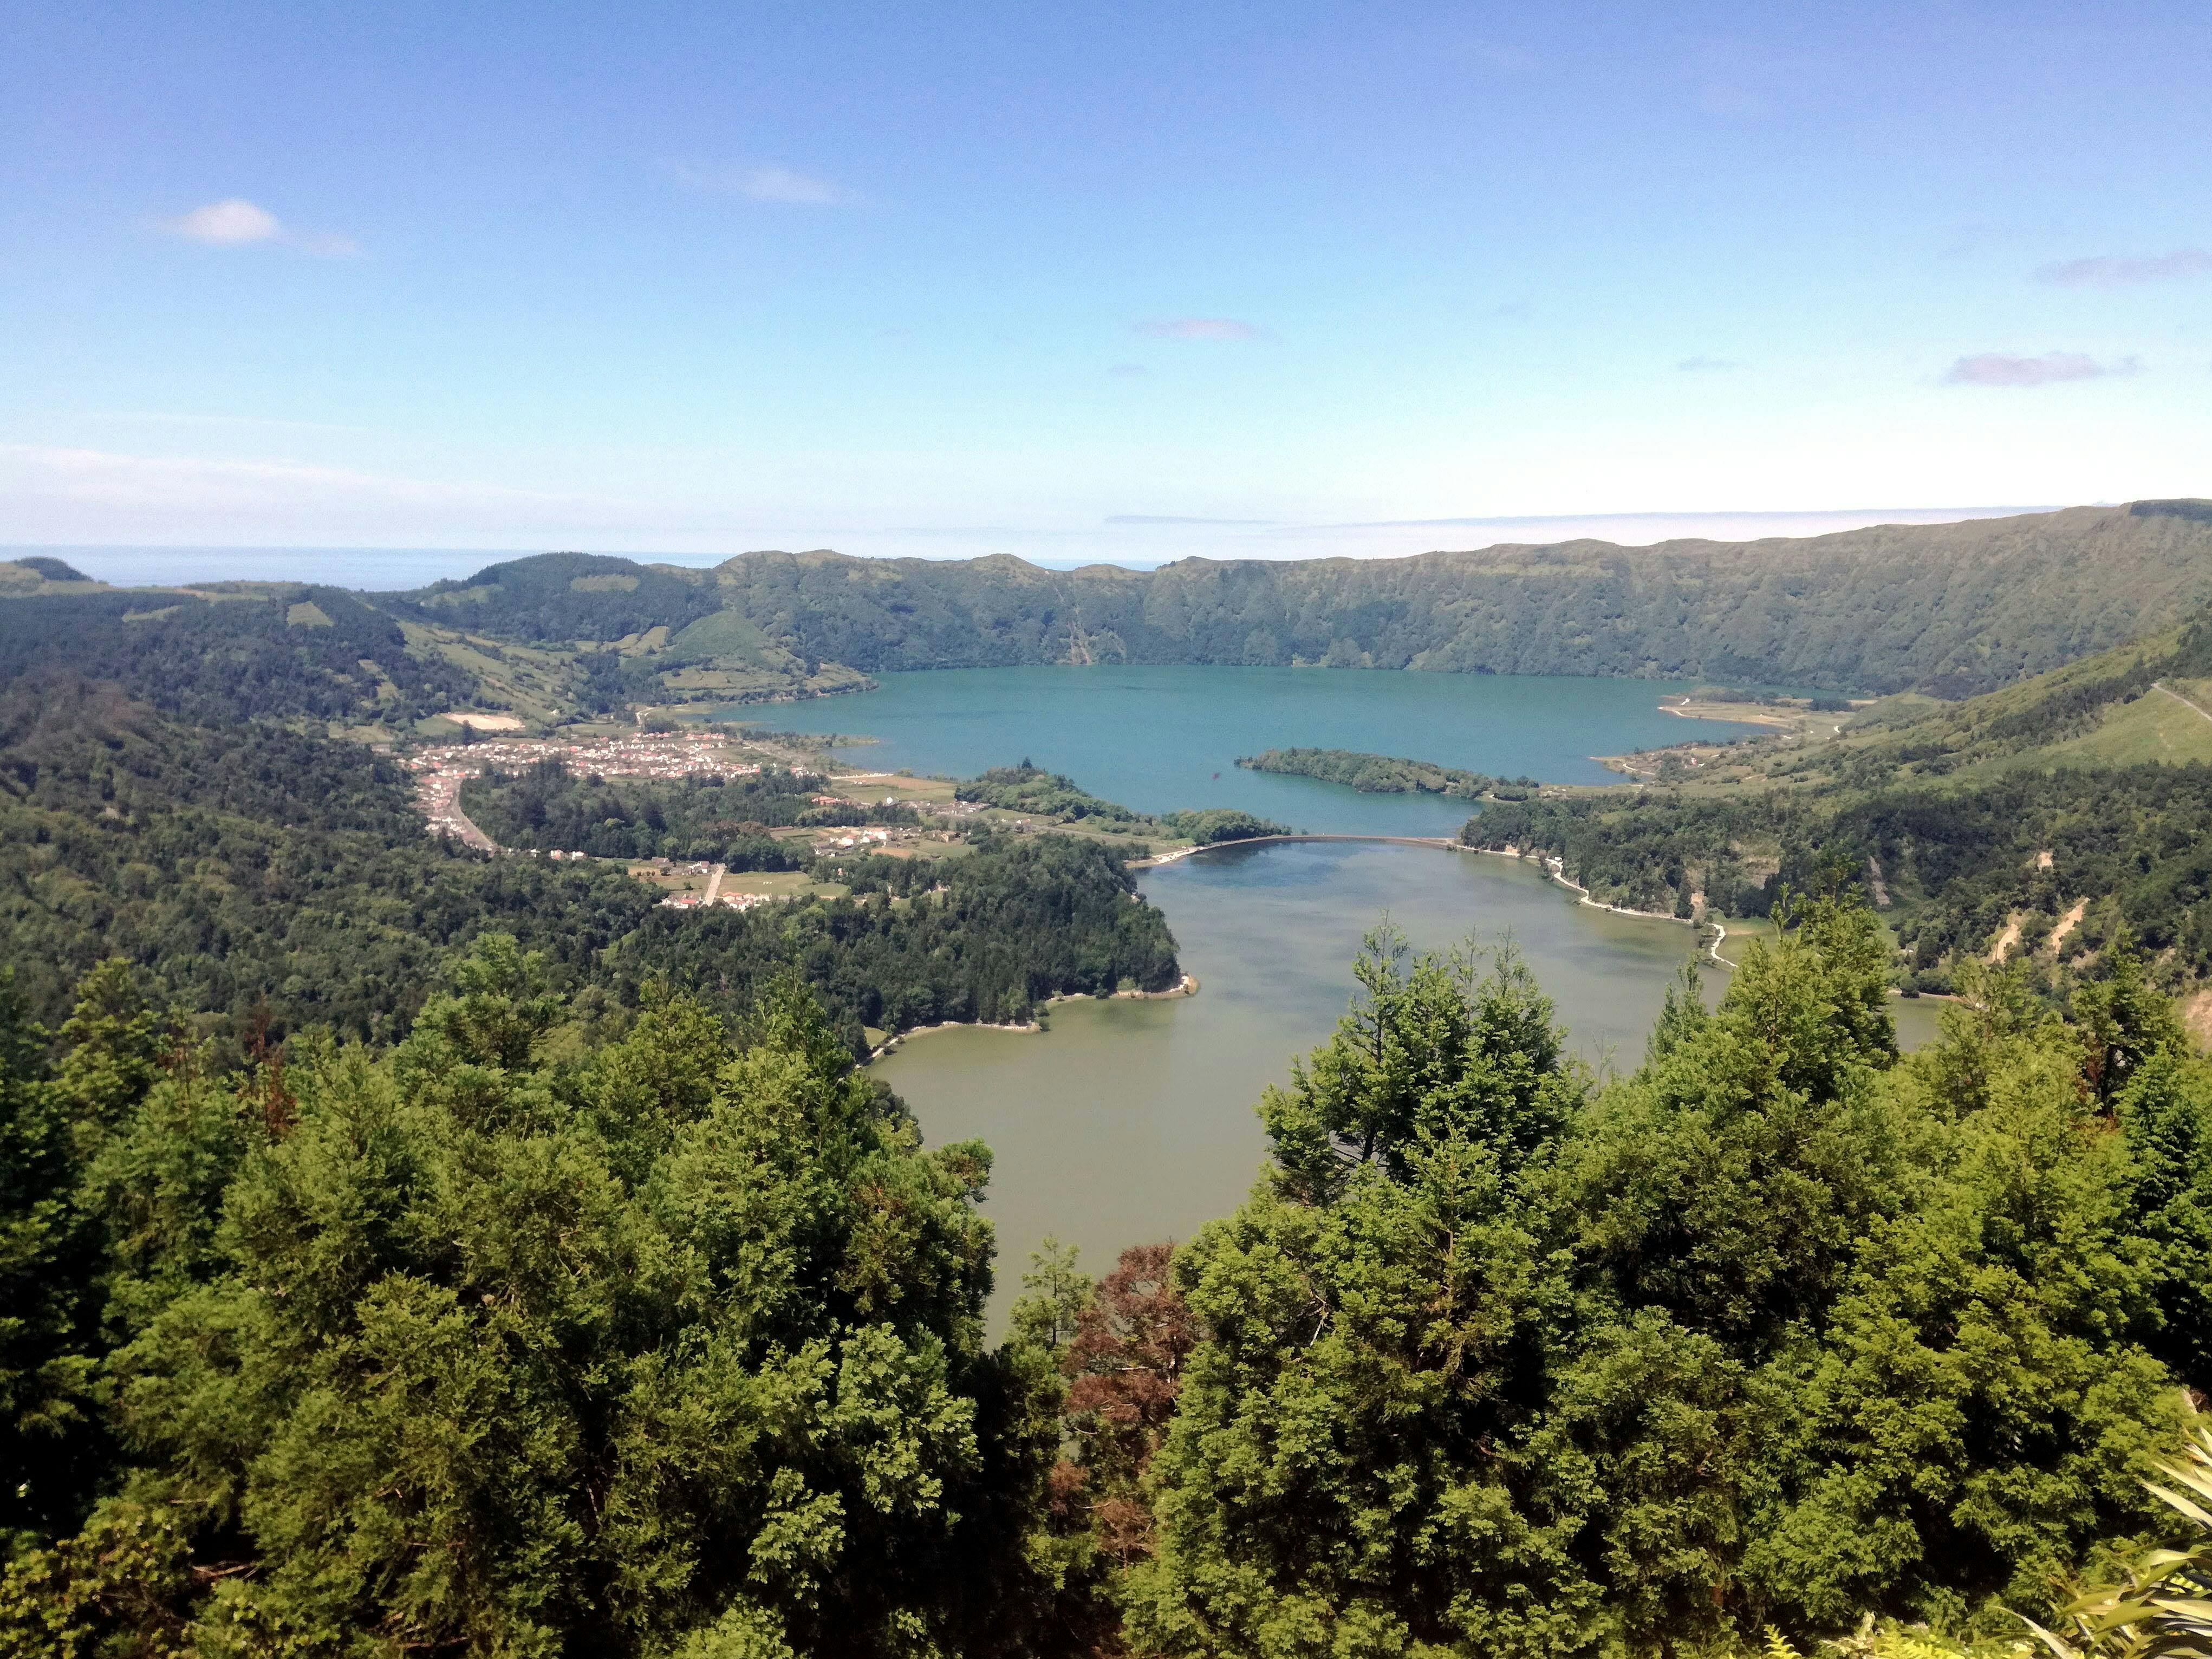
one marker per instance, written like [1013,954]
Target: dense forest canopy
[1954,609]
[990,938]
[530,1335]
[274,880]
[1779,1330]
[280,654]
[564,596]
[454,1347]
[256,873]
[706,816]
[2132,845]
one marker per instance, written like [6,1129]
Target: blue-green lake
[1159,739]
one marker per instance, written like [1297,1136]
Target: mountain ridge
[1949,608]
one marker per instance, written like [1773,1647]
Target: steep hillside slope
[1954,609]
[2034,821]
[278,651]
[1949,608]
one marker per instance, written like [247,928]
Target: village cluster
[441,771]
[643,755]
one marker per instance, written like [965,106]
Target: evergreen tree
[47,1258]
[54,1127]
[677,1348]
[2165,1114]
[1349,1468]
[1713,1201]
[1725,1183]
[1980,1403]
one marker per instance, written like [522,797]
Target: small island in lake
[1388,775]
[1031,789]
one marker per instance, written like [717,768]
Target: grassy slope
[2100,711]
[2152,728]
[2086,792]
[2104,710]
[663,621]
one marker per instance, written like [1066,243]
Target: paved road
[438,796]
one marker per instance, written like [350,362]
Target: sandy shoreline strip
[1186,987]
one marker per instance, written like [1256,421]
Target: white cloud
[2125,270]
[1997,368]
[1201,328]
[763,184]
[237,222]
[233,224]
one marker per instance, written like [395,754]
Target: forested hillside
[626,634]
[1949,609]
[273,880]
[256,874]
[274,651]
[307,653]
[2033,821]
[1954,609]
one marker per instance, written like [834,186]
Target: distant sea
[369,569]
[365,569]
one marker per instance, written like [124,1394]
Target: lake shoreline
[1189,984]
[1186,987]
[1130,1123]
[1550,866]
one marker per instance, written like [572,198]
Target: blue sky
[1049,279]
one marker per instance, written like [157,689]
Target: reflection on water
[1131,1121]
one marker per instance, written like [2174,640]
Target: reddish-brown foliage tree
[1131,1344]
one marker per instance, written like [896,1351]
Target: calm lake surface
[1160,738]
[1128,1121]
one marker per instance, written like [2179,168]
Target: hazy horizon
[1131,283]
[144,563]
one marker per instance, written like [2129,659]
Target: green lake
[1126,1120]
